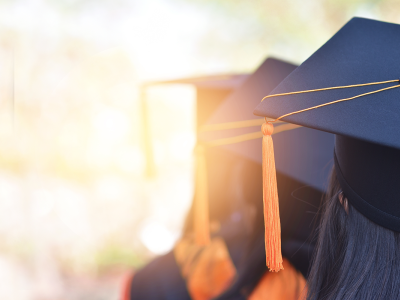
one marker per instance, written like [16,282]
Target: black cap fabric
[367,145]
[296,151]
[161,279]
[210,92]
[239,106]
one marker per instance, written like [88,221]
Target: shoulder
[287,284]
[160,279]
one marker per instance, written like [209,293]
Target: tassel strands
[201,222]
[271,202]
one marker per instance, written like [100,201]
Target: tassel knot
[267,129]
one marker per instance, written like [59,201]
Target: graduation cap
[349,87]
[168,280]
[210,93]
[295,156]
[303,156]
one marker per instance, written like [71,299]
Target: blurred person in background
[162,278]
[232,264]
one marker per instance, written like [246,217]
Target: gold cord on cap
[332,102]
[201,207]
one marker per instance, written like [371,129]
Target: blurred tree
[286,28]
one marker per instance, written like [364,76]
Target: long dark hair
[355,258]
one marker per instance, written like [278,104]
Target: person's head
[234,191]
[355,258]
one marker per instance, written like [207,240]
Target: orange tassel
[271,202]
[201,214]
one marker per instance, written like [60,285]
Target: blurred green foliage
[116,256]
[289,29]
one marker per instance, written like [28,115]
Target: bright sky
[161,37]
[77,134]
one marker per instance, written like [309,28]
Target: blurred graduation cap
[169,281]
[350,87]
[295,155]
[303,160]
[210,92]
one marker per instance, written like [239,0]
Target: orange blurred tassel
[271,202]
[201,214]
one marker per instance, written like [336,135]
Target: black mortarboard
[162,278]
[364,53]
[303,155]
[294,152]
[210,92]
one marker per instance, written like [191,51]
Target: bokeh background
[77,211]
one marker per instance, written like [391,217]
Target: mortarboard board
[349,87]
[303,156]
[295,156]
[210,92]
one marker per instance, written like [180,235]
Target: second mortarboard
[302,166]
